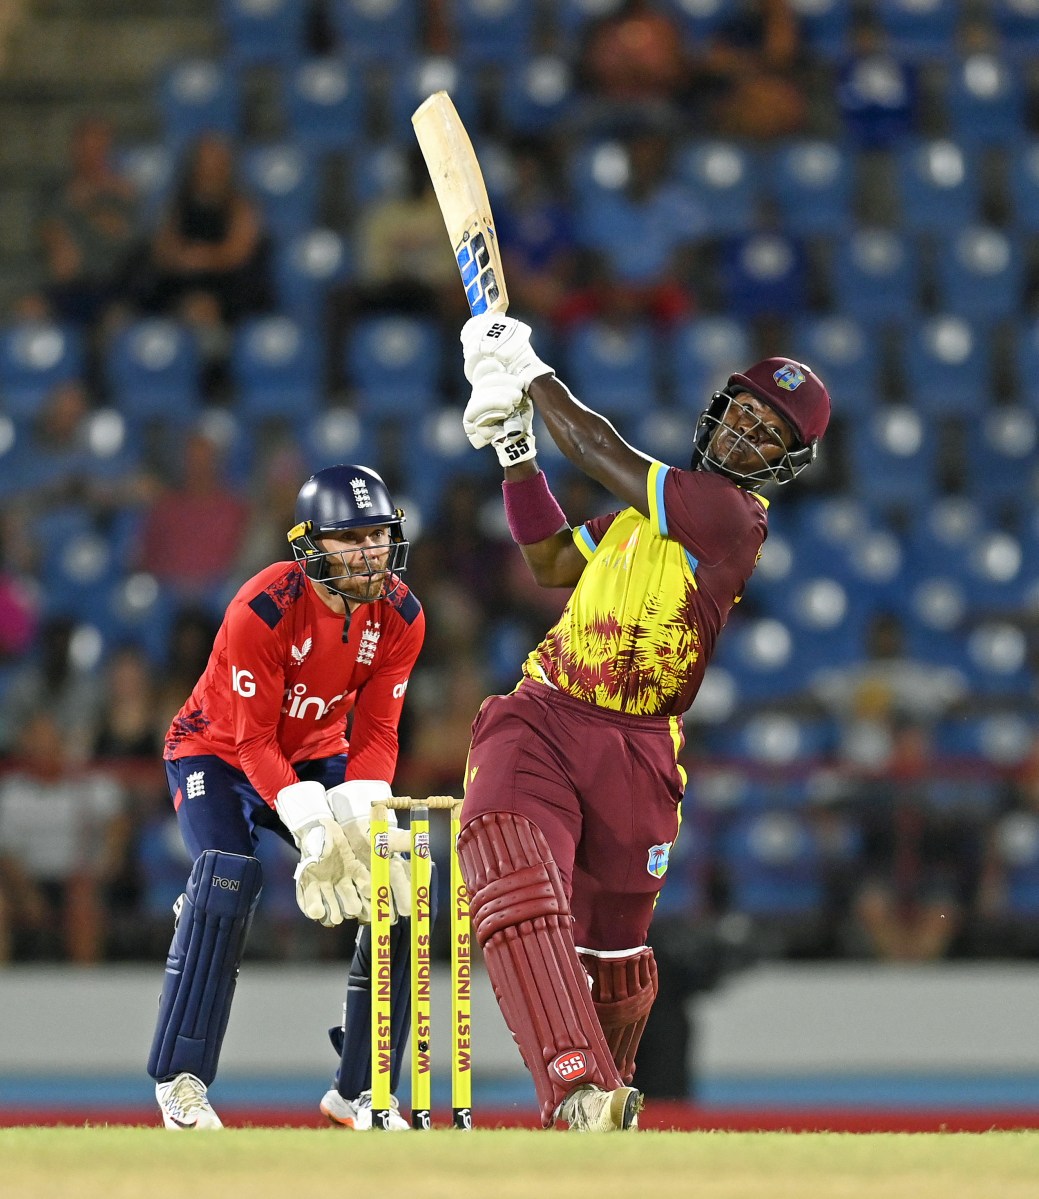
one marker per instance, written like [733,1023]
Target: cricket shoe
[184,1104]
[591,1109]
[357,1113]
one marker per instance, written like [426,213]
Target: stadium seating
[325,104]
[845,355]
[722,178]
[980,275]
[393,365]
[703,353]
[985,99]
[938,186]
[153,368]
[613,368]
[763,274]
[259,32]
[276,367]
[536,94]
[499,33]
[386,33]
[35,356]
[918,30]
[198,96]
[875,275]
[285,181]
[813,184]
[946,365]
[306,268]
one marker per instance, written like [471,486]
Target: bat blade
[460,190]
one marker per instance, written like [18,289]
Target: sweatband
[531,509]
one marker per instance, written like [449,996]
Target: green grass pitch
[110,1162]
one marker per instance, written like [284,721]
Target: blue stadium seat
[825,25]
[772,740]
[377,170]
[613,369]
[1018,29]
[812,182]
[997,657]
[946,365]
[197,96]
[437,453]
[997,573]
[846,356]
[387,32]
[876,275]
[918,30]
[759,655]
[262,31]
[1000,739]
[699,19]
[878,98]
[1025,336]
[536,94]
[277,370]
[723,180]
[326,104]
[980,275]
[1016,844]
[986,100]
[421,78]
[35,356]
[305,269]
[150,168]
[938,185]
[1022,185]
[703,352]
[763,274]
[337,435]
[773,866]
[152,367]
[999,466]
[493,31]
[394,365]
[893,459]
[826,617]
[666,434]
[638,239]
[942,533]
[285,182]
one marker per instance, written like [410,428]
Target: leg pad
[623,991]
[522,921]
[213,918]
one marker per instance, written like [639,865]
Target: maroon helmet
[790,389]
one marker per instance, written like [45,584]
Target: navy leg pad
[202,967]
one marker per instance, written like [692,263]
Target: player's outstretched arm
[494,342]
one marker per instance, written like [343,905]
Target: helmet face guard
[705,457]
[330,503]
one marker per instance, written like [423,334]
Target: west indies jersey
[640,627]
[286,671]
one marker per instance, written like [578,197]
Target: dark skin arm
[595,447]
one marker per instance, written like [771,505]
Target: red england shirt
[286,671]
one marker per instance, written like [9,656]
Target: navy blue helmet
[340,498]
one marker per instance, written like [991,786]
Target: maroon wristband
[531,509]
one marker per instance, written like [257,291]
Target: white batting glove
[331,884]
[500,414]
[351,804]
[505,340]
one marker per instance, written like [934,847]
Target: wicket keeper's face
[750,433]
[357,560]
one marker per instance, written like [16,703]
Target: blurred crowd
[875,842]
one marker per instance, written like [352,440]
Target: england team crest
[659,855]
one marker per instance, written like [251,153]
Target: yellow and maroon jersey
[642,622]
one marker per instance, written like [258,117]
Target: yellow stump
[382,1048]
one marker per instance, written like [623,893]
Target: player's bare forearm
[591,443]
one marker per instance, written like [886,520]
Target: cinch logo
[789,377]
[571,1065]
[226,884]
[299,705]
[361,497]
[400,689]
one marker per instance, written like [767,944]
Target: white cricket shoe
[357,1113]
[591,1109]
[184,1104]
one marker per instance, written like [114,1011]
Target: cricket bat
[462,195]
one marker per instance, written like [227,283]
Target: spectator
[18,610]
[55,679]
[208,260]
[535,229]
[192,532]
[190,640]
[63,836]
[276,482]
[89,231]
[751,74]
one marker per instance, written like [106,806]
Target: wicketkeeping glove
[351,804]
[505,340]
[332,884]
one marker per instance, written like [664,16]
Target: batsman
[573,783]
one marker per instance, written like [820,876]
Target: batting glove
[506,341]
[331,884]
[351,804]
[499,414]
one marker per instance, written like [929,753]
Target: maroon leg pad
[522,922]
[623,991]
